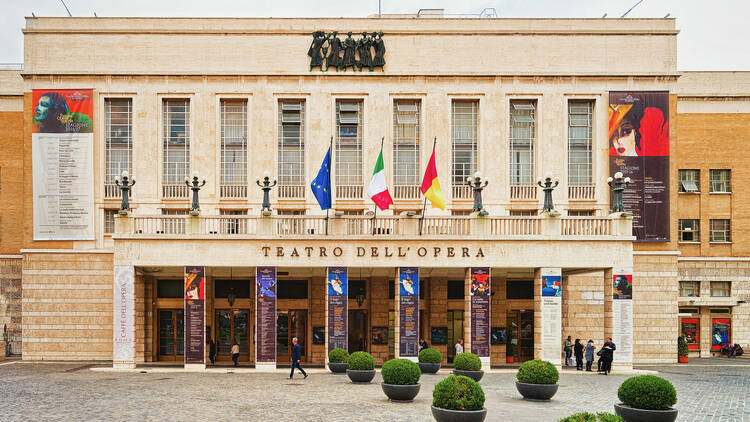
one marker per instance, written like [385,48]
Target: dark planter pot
[360,376]
[400,393]
[536,392]
[447,415]
[475,375]
[429,368]
[631,414]
[338,367]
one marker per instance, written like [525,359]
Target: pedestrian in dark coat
[590,350]
[212,351]
[296,357]
[578,352]
[608,354]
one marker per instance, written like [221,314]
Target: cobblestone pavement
[712,391]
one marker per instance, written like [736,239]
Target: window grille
[720,231]
[689,180]
[406,142]
[234,142]
[690,230]
[465,120]
[720,181]
[522,135]
[291,147]
[109,221]
[579,142]
[176,141]
[348,143]
[118,142]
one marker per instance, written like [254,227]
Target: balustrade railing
[464,192]
[454,226]
[174,191]
[112,191]
[582,192]
[233,191]
[586,226]
[406,192]
[523,192]
[349,191]
[226,224]
[292,191]
[300,225]
[515,226]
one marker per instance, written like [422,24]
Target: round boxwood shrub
[537,372]
[338,355]
[647,392]
[430,356]
[400,372]
[467,362]
[361,361]
[458,392]
[590,417]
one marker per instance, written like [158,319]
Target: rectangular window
[720,181]
[176,141]
[118,142]
[689,180]
[357,287]
[456,289]
[465,120]
[406,142]
[170,289]
[240,288]
[291,148]
[292,289]
[690,230]
[519,289]
[522,136]
[720,231]
[720,289]
[690,328]
[690,288]
[581,213]
[348,147]
[234,142]
[579,142]
[109,221]
[524,213]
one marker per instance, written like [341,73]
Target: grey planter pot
[360,376]
[475,375]
[338,367]
[631,414]
[401,393]
[429,368]
[447,415]
[536,392]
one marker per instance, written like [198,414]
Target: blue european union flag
[321,185]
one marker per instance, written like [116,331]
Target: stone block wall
[10,304]
[583,307]
[655,320]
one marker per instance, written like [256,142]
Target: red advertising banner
[195,319]
[639,149]
[63,110]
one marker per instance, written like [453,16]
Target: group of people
[731,350]
[605,353]
[296,355]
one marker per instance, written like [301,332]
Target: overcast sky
[713,33]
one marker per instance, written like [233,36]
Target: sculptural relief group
[328,51]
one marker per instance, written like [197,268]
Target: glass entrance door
[520,344]
[290,324]
[171,334]
[455,332]
[232,326]
[358,330]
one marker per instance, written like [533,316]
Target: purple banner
[195,317]
[639,149]
[408,310]
[480,311]
[338,307]
[265,314]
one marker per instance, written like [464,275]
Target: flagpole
[424,206]
[330,148]
[375,215]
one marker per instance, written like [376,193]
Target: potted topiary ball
[337,360]
[468,365]
[682,350]
[647,398]
[429,360]
[458,399]
[400,380]
[537,380]
[361,369]
[590,417]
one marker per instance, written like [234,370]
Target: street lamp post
[195,185]
[266,184]
[548,186]
[478,183]
[618,185]
[125,183]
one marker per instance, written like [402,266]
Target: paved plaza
[708,390]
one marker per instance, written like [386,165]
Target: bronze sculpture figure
[379,47]
[316,56]
[327,51]
[365,55]
[334,58]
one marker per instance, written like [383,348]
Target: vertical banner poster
[622,314]
[195,319]
[408,311]
[338,307]
[639,148]
[551,314]
[124,317]
[265,314]
[62,145]
[480,311]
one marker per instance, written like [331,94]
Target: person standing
[236,354]
[578,351]
[423,344]
[568,349]
[212,351]
[296,357]
[590,350]
[460,346]
[608,354]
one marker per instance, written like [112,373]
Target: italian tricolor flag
[378,190]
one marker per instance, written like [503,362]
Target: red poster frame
[721,321]
[697,323]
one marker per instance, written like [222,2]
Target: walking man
[296,356]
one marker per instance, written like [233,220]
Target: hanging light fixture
[231,296]
[361,295]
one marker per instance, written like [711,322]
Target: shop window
[690,230]
[357,287]
[223,287]
[720,231]
[720,289]
[293,289]
[170,289]
[456,289]
[689,288]
[689,181]
[721,181]
[519,289]
[720,330]
[690,328]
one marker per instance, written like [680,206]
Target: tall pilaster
[123,343]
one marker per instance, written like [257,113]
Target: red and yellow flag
[431,185]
